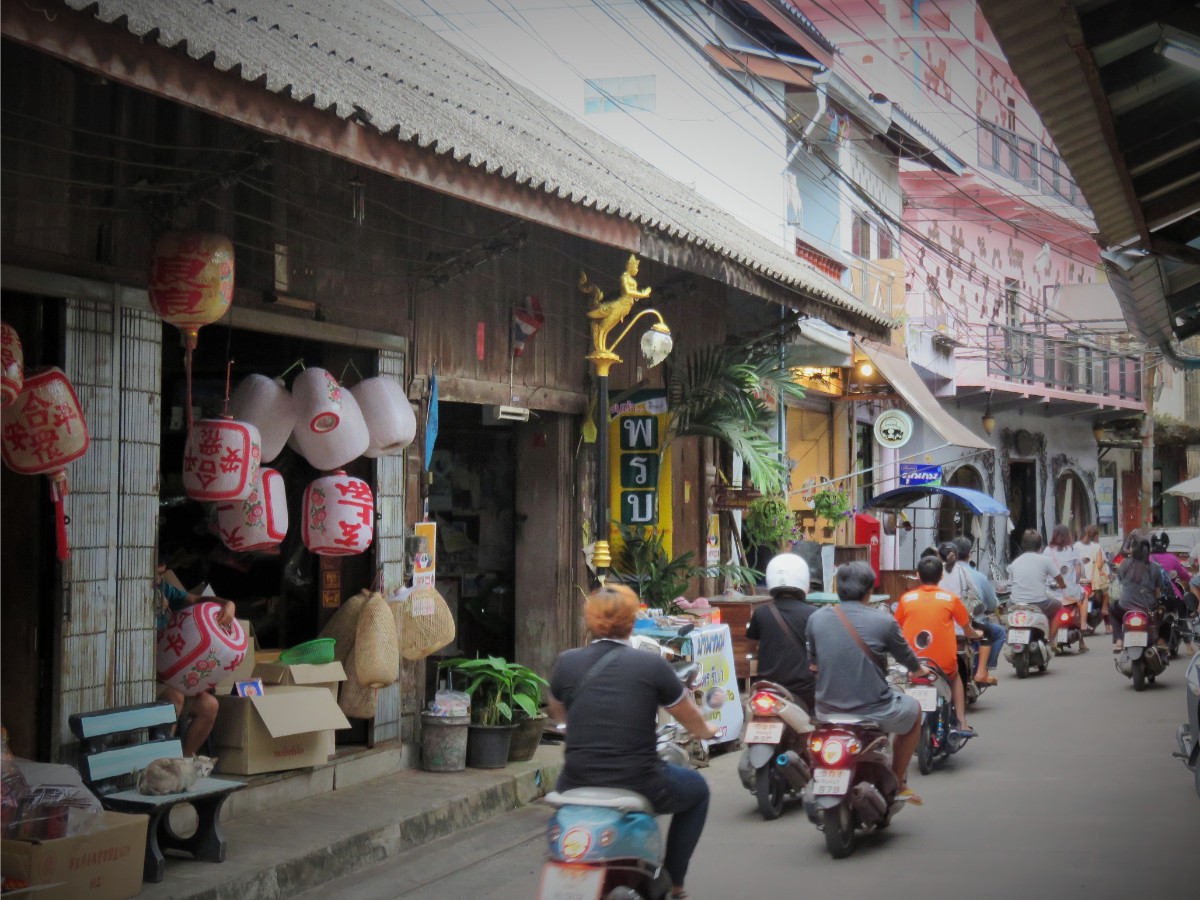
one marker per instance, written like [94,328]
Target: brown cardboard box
[326,675]
[103,865]
[288,727]
[246,669]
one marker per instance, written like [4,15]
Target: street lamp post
[606,315]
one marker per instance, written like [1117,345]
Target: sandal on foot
[908,795]
[1118,647]
[987,679]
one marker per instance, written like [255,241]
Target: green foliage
[831,504]
[497,686]
[768,521]
[659,579]
[717,392]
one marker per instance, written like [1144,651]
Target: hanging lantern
[195,653]
[12,364]
[191,280]
[221,459]
[330,430]
[44,430]
[388,414]
[339,515]
[259,522]
[267,405]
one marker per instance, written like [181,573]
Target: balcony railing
[877,284]
[1027,356]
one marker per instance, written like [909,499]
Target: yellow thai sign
[639,465]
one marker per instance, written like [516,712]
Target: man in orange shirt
[927,616]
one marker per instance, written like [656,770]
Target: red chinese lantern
[339,515]
[195,653]
[12,365]
[259,522]
[221,459]
[191,285]
[43,431]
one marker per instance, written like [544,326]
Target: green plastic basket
[310,652]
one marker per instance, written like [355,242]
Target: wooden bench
[110,762]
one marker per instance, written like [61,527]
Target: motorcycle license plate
[831,782]
[565,882]
[926,696]
[1137,639]
[763,733]
[1019,636]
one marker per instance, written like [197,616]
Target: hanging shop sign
[638,465]
[918,473]
[339,515]
[1105,498]
[893,428]
[425,554]
[712,541]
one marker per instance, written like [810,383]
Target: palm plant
[717,392]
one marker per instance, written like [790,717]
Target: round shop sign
[893,428]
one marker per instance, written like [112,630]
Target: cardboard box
[103,865]
[246,669]
[288,727]
[326,675]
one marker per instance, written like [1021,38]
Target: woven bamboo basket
[426,623]
[376,647]
[355,700]
[343,625]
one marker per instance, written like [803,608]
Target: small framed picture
[252,687]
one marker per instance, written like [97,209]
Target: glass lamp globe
[657,344]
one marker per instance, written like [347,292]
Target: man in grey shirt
[849,682]
[1032,575]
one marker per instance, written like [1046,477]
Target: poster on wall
[425,555]
[638,466]
[712,542]
[1105,499]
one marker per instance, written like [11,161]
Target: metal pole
[1147,443]
[600,555]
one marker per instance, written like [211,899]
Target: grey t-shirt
[1030,573]
[847,681]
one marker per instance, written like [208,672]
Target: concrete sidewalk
[292,847]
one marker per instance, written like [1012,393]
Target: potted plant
[832,505]
[530,720]
[768,524]
[495,687]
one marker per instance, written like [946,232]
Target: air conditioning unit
[493,415]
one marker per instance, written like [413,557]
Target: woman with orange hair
[609,695]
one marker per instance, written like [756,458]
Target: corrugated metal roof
[366,58]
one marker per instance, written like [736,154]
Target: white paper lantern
[339,515]
[195,653]
[267,405]
[330,430]
[388,414]
[259,522]
[221,459]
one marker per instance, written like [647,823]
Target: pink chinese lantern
[195,653]
[259,522]
[12,365]
[191,285]
[43,430]
[388,414]
[339,515]
[330,430]
[266,404]
[221,459]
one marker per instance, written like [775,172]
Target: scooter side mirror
[686,630]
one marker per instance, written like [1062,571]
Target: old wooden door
[1131,501]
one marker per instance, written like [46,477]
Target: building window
[603,95]
[860,238]
[886,248]
[1000,150]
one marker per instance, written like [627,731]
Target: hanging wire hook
[298,363]
[346,368]
[228,376]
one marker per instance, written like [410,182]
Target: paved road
[1069,791]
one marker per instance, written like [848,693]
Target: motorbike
[853,788]
[1188,734]
[1070,630]
[940,737]
[1142,659]
[775,763]
[1026,645]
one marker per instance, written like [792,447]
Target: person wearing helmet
[778,628]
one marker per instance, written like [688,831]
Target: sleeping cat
[174,775]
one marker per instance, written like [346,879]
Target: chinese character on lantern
[339,515]
[221,459]
[191,280]
[261,520]
[12,365]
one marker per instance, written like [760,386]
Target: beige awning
[908,384]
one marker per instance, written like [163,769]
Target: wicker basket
[315,653]
[376,647]
[343,624]
[426,623]
[356,701]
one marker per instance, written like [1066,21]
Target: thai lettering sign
[915,474]
[638,466]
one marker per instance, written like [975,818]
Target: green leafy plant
[659,579]
[496,687]
[831,504]
[768,521]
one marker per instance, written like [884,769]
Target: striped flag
[527,320]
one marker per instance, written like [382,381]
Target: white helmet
[787,570]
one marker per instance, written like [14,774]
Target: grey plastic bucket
[444,742]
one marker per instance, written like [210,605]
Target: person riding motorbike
[927,617]
[1141,586]
[608,694]
[778,628]
[851,677]
[1031,572]
[1063,556]
[993,632]
[1173,599]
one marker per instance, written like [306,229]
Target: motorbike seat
[605,798]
